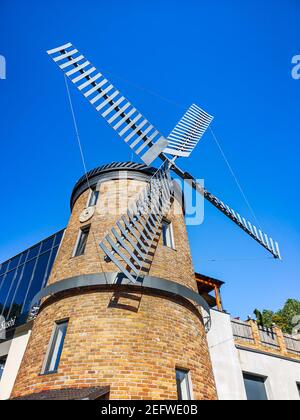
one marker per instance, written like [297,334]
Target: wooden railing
[242,331]
[268,337]
[263,338]
[292,344]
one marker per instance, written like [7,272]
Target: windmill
[130,240]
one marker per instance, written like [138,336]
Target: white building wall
[229,363]
[282,375]
[225,359]
[15,349]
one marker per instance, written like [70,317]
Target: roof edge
[114,166]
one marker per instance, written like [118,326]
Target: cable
[221,342]
[212,132]
[236,259]
[143,89]
[84,165]
[235,177]
[181,107]
[77,132]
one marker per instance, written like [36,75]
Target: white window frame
[93,190]
[78,240]
[170,241]
[50,346]
[189,382]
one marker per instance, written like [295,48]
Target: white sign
[4,325]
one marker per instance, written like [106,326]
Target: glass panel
[93,198]
[164,234]
[183,386]
[23,257]
[3,267]
[47,244]
[10,294]
[37,281]
[56,347]
[5,290]
[33,252]
[82,241]
[2,365]
[14,263]
[22,288]
[51,262]
[1,280]
[167,233]
[14,284]
[255,388]
[58,238]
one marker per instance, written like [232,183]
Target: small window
[167,234]
[183,384]
[2,365]
[255,387]
[81,241]
[94,195]
[55,347]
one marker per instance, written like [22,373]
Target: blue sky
[233,58]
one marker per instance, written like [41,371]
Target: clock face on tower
[87,214]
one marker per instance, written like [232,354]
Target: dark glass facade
[23,276]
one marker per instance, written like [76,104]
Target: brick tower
[93,329]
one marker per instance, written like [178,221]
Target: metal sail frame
[134,234]
[155,149]
[188,132]
[141,136]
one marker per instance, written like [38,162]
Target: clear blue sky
[233,58]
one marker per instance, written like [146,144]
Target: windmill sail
[128,244]
[145,140]
[188,132]
[263,239]
[121,115]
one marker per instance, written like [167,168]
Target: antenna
[145,140]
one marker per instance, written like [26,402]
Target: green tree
[268,318]
[282,318]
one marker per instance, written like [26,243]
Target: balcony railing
[271,338]
[268,337]
[292,344]
[242,331]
